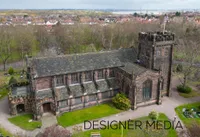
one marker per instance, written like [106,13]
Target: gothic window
[92,98]
[59,81]
[74,78]
[147,89]
[88,76]
[112,73]
[78,101]
[63,103]
[166,52]
[100,74]
[105,95]
[127,91]
[162,84]
[158,53]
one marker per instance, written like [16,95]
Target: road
[15,65]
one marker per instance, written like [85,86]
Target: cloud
[99,4]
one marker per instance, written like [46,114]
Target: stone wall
[162,61]
[149,75]
[155,52]
[43,83]
[27,101]
[71,104]
[39,106]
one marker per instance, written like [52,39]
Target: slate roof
[20,91]
[132,68]
[62,93]
[47,93]
[89,88]
[82,62]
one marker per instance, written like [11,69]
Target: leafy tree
[12,81]
[135,14]
[178,13]
[153,115]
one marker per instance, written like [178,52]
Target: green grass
[79,116]
[188,121]
[3,93]
[4,132]
[190,95]
[3,79]
[22,122]
[133,132]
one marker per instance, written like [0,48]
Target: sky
[100,4]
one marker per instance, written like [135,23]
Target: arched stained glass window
[147,89]
[127,91]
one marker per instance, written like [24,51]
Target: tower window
[158,53]
[166,51]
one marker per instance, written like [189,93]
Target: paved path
[167,107]
[48,120]
[4,115]
[15,65]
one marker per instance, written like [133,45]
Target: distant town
[103,17]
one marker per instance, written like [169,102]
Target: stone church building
[66,83]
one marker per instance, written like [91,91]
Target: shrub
[184,89]
[12,81]
[11,71]
[153,115]
[194,130]
[179,68]
[120,101]
[55,131]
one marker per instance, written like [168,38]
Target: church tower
[155,53]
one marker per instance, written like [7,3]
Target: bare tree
[42,36]
[25,40]
[5,45]
[55,131]
[189,47]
